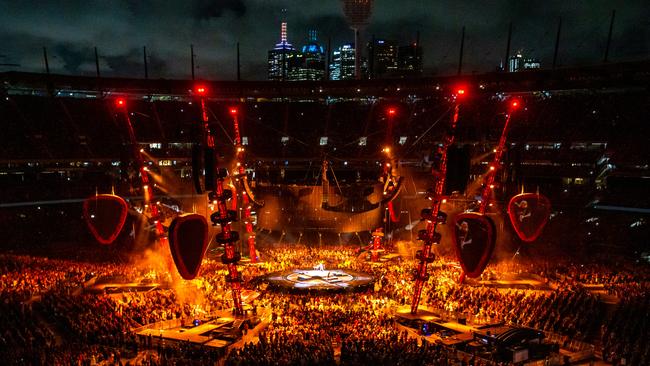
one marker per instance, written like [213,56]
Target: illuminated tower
[280,56]
[357,12]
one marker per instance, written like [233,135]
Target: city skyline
[120,29]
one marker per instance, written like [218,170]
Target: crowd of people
[50,316]
[624,336]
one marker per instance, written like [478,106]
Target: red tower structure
[391,181]
[496,161]
[486,196]
[432,215]
[246,202]
[219,196]
[392,184]
[147,190]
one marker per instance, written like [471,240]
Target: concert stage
[218,330]
[318,279]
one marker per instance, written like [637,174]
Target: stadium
[496,218]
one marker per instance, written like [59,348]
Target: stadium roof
[604,77]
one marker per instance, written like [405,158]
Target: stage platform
[218,332]
[318,279]
[441,330]
[428,326]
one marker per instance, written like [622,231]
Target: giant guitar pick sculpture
[105,215]
[528,214]
[188,241]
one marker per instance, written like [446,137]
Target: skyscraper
[409,60]
[281,56]
[310,64]
[382,58]
[342,66]
[518,63]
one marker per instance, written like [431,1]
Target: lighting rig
[432,215]
[219,197]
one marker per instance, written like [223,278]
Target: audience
[50,317]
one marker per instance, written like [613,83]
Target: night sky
[70,30]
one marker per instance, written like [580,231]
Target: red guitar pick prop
[474,239]
[188,241]
[529,213]
[105,215]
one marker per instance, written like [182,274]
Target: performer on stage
[463,234]
[319,267]
[524,212]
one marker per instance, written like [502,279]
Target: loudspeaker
[197,167]
[458,166]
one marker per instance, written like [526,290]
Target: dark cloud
[73,56]
[132,64]
[327,26]
[206,9]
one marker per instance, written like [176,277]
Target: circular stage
[318,279]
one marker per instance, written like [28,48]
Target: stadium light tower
[357,12]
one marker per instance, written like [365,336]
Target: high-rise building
[518,63]
[531,63]
[382,58]
[409,60]
[281,57]
[295,61]
[310,63]
[342,66]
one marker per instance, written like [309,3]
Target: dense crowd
[50,318]
[624,336]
